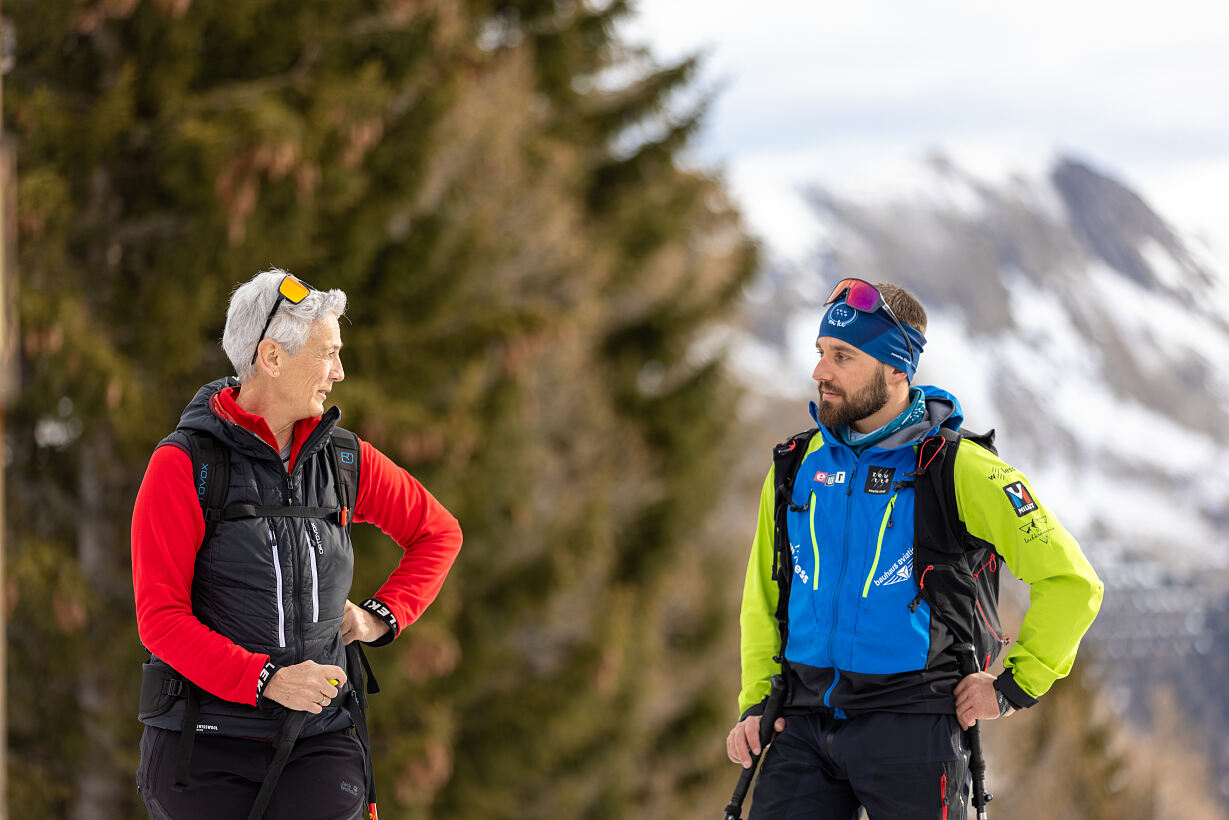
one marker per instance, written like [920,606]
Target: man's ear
[896,375]
[269,356]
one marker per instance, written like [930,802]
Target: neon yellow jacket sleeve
[1064,591]
[761,640]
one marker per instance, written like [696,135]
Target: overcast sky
[846,95]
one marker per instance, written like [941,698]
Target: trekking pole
[966,660]
[772,711]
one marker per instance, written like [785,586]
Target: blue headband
[875,334]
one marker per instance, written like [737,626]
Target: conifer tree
[532,272]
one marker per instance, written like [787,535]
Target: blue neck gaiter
[914,413]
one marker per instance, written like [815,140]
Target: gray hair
[291,325]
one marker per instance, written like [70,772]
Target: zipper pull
[921,585]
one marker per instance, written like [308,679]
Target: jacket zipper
[943,793]
[883,525]
[840,578]
[313,544]
[294,567]
[316,434]
[277,571]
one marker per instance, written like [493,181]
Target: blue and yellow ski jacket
[860,638]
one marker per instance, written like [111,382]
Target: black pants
[896,766]
[325,778]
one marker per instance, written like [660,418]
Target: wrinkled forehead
[325,331]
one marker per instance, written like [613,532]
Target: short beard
[866,402]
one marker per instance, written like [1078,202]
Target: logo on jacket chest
[829,479]
[901,570]
[879,480]
[316,536]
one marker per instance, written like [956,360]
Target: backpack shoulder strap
[935,482]
[786,459]
[935,485]
[210,472]
[347,464]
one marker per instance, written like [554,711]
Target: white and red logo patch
[830,479]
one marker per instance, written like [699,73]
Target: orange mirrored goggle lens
[294,290]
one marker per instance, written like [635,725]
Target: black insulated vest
[273,584]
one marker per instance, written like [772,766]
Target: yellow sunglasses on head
[293,290]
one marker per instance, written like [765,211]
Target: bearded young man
[876,708]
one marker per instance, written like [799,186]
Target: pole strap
[286,737]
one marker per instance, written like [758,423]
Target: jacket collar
[215,411]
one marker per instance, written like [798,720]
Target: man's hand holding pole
[747,740]
[966,658]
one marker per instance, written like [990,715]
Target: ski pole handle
[772,711]
[966,661]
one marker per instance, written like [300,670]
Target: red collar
[227,408]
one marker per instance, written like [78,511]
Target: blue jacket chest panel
[851,541]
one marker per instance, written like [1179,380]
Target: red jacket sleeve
[167,528]
[401,507]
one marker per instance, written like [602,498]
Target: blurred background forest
[537,282]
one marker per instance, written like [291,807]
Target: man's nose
[820,372]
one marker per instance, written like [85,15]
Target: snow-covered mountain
[1068,315]
[1064,313]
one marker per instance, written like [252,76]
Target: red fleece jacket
[168,525]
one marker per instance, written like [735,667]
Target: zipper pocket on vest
[313,544]
[277,572]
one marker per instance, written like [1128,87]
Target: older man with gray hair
[242,566]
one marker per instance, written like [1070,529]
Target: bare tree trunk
[8,335]
[97,790]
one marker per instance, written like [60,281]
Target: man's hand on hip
[357,624]
[976,699]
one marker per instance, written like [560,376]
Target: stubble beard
[866,402]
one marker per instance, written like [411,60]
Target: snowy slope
[1064,313]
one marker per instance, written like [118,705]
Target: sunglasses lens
[838,291]
[294,290]
[856,293]
[862,296]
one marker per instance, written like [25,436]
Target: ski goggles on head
[293,290]
[862,295]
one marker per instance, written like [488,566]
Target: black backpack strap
[210,472]
[347,458]
[187,737]
[786,458]
[210,475]
[362,683]
[235,512]
[286,736]
[937,464]
[945,551]
[935,485]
